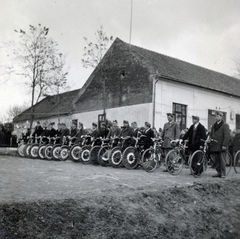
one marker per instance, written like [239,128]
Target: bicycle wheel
[150,160]
[130,158]
[85,154]
[237,162]
[34,151]
[20,150]
[103,156]
[48,152]
[41,151]
[64,153]
[26,150]
[94,155]
[174,162]
[198,163]
[55,151]
[116,157]
[228,161]
[75,153]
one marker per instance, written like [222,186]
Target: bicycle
[64,152]
[131,156]
[199,160]
[115,157]
[177,157]
[151,158]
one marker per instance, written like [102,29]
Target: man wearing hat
[135,129]
[103,131]
[38,130]
[195,135]
[64,131]
[94,133]
[220,133]
[127,131]
[170,132]
[114,131]
[149,135]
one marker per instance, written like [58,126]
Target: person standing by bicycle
[195,135]
[149,136]
[220,133]
[170,132]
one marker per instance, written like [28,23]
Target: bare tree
[94,51]
[15,110]
[41,63]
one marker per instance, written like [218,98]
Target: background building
[136,84]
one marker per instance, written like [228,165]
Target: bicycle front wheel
[150,160]
[174,162]
[237,162]
[198,163]
[130,158]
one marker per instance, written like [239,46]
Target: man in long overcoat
[170,132]
[221,134]
[195,135]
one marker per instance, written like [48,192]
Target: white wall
[139,113]
[198,102]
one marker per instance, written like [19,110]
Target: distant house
[136,84]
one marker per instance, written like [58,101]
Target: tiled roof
[186,72]
[51,106]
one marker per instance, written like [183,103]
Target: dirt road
[49,199]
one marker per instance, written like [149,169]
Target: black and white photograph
[120,119]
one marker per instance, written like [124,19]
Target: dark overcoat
[148,140]
[170,132]
[127,131]
[195,143]
[221,133]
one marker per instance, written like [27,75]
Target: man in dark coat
[149,136]
[170,132]
[127,131]
[38,130]
[64,132]
[221,134]
[195,135]
[104,131]
[135,129]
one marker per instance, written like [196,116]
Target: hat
[94,124]
[148,124]
[125,122]
[195,117]
[219,113]
[170,114]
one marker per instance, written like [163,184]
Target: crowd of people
[220,135]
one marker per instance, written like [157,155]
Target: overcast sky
[203,32]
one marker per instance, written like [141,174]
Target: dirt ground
[49,199]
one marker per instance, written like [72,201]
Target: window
[180,112]
[237,121]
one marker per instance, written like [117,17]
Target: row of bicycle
[114,152]
[105,152]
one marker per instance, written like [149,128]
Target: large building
[136,84]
